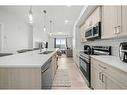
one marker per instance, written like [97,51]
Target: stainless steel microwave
[94,32]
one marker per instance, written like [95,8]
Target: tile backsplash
[114,43]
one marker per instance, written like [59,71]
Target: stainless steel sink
[46,52]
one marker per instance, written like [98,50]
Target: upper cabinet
[114,21]
[82,33]
[96,16]
[111,21]
[124,21]
[88,22]
[92,19]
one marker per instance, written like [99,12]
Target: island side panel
[20,78]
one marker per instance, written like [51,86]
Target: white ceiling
[58,14]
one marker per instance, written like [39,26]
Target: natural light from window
[61,43]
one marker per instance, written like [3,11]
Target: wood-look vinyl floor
[75,78]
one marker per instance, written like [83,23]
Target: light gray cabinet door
[111,83]
[46,75]
[124,21]
[96,80]
[111,21]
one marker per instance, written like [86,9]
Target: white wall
[16,31]
[18,34]
[38,34]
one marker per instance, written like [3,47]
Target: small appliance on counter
[123,51]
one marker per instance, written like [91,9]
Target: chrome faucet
[42,45]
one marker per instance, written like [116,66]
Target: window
[60,43]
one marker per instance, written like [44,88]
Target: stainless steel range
[85,59]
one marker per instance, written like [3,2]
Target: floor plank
[75,78]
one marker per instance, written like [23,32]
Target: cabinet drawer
[98,64]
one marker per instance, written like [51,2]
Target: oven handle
[102,66]
[82,57]
[44,70]
[83,60]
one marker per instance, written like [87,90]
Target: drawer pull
[103,78]
[44,70]
[102,66]
[100,75]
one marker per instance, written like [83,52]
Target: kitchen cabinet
[111,21]
[111,83]
[20,78]
[96,82]
[76,56]
[90,22]
[104,77]
[96,16]
[82,33]
[93,18]
[124,21]
[30,71]
[47,75]
[54,65]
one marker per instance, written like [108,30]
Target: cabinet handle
[118,29]
[103,78]
[45,70]
[102,66]
[100,75]
[115,30]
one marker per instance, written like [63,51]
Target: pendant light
[44,28]
[30,15]
[50,33]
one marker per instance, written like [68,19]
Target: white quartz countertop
[27,59]
[112,61]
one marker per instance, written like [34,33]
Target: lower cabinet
[46,77]
[20,78]
[48,72]
[29,77]
[111,83]
[96,80]
[101,78]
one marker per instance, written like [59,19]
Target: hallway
[68,75]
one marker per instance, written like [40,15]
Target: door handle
[103,78]
[45,70]
[115,30]
[102,66]
[118,29]
[100,75]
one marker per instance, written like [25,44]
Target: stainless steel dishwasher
[46,75]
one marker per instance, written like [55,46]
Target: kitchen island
[24,70]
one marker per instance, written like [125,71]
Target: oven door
[85,69]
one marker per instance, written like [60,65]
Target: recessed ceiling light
[66,21]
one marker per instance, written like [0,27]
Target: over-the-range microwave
[93,32]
